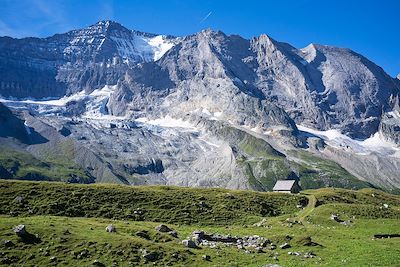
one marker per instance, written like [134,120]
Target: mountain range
[110,104]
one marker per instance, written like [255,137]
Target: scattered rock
[346,223]
[111,228]
[143,234]
[306,241]
[386,235]
[8,243]
[163,228]
[189,243]
[67,232]
[285,246]
[20,230]
[259,250]
[98,263]
[336,218]
[385,206]
[262,223]
[309,255]
[174,234]
[53,259]
[84,253]
[206,257]
[20,200]
[150,256]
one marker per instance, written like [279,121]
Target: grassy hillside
[152,203]
[83,241]
[22,165]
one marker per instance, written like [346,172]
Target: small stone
[151,256]
[163,228]
[8,243]
[143,234]
[67,232]
[84,253]
[285,246]
[174,234]
[111,228]
[98,263]
[189,243]
[20,230]
[53,259]
[20,200]
[259,249]
[206,257]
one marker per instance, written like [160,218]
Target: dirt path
[312,201]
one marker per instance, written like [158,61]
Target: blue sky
[369,27]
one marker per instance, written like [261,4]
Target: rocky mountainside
[208,109]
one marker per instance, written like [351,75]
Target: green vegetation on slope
[22,165]
[316,172]
[67,241]
[152,203]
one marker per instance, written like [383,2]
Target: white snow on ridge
[160,46]
[374,143]
[148,49]
[49,102]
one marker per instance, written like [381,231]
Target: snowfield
[374,144]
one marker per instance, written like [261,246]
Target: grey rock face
[319,86]
[390,127]
[83,59]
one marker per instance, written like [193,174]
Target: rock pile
[336,218]
[200,238]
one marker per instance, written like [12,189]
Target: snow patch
[160,46]
[335,138]
[28,130]
[168,122]
[145,48]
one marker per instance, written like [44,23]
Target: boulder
[206,257]
[111,228]
[143,234]
[8,243]
[189,243]
[285,246]
[20,200]
[149,255]
[174,234]
[163,228]
[20,230]
[97,263]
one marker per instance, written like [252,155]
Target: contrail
[206,17]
